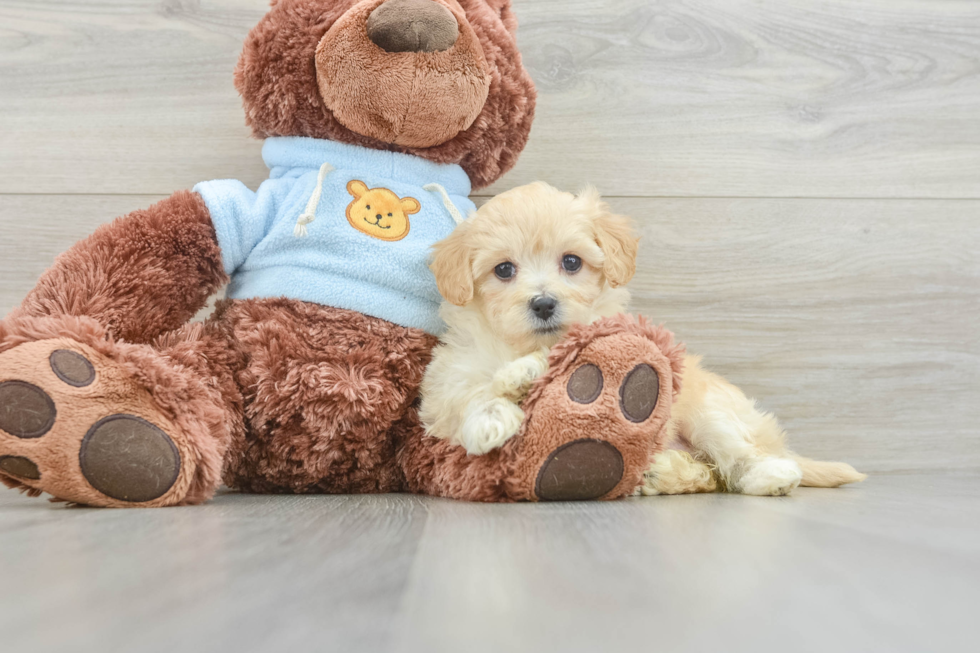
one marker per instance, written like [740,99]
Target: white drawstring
[453,211]
[309,215]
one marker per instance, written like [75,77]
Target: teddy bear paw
[598,415]
[72,426]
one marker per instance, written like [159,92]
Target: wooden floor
[890,565]
[806,177]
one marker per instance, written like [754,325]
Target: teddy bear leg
[441,468]
[599,415]
[593,424]
[322,388]
[112,424]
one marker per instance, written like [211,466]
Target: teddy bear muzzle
[405,72]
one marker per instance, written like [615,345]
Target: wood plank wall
[806,175]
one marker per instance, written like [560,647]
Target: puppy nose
[412,26]
[543,307]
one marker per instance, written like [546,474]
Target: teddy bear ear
[410,205]
[506,13]
[357,188]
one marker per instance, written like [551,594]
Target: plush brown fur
[323,388]
[401,97]
[278,83]
[182,385]
[616,345]
[285,396]
[134,280]
[139,276]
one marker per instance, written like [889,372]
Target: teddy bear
[379,117]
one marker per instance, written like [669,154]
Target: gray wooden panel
[642,97]
[856,321]
[891,564]
[123,96]
[243,573]
[35,229]
[787,98]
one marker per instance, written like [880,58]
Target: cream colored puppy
[516,275]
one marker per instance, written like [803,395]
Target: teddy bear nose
[412,26]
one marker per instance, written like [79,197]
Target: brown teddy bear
[306,377]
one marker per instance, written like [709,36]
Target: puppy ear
[615,236]
[452,265]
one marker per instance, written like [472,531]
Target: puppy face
[535,260]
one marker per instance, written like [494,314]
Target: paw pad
[72,368]
[579,471]
[62,402]
[20,467]
[129,459]
[585,384]
[26,411]
[639,392]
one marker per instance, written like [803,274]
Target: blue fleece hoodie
[345,251]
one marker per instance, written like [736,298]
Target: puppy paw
[514,380]
[771,477]
[677,472]
[490,425]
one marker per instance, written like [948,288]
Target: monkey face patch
[380,213]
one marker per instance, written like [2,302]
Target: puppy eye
[571,263]
[368,207]
[505,271]
[389,215]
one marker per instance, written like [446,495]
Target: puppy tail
[817,473]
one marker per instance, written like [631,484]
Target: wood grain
[244,573]
[755,98]
[641,97]
[856,321]
[123,96]
[37,228]
[891,564]
[872,567]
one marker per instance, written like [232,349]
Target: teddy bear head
[440,79]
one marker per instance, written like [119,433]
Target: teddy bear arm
[139,276]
